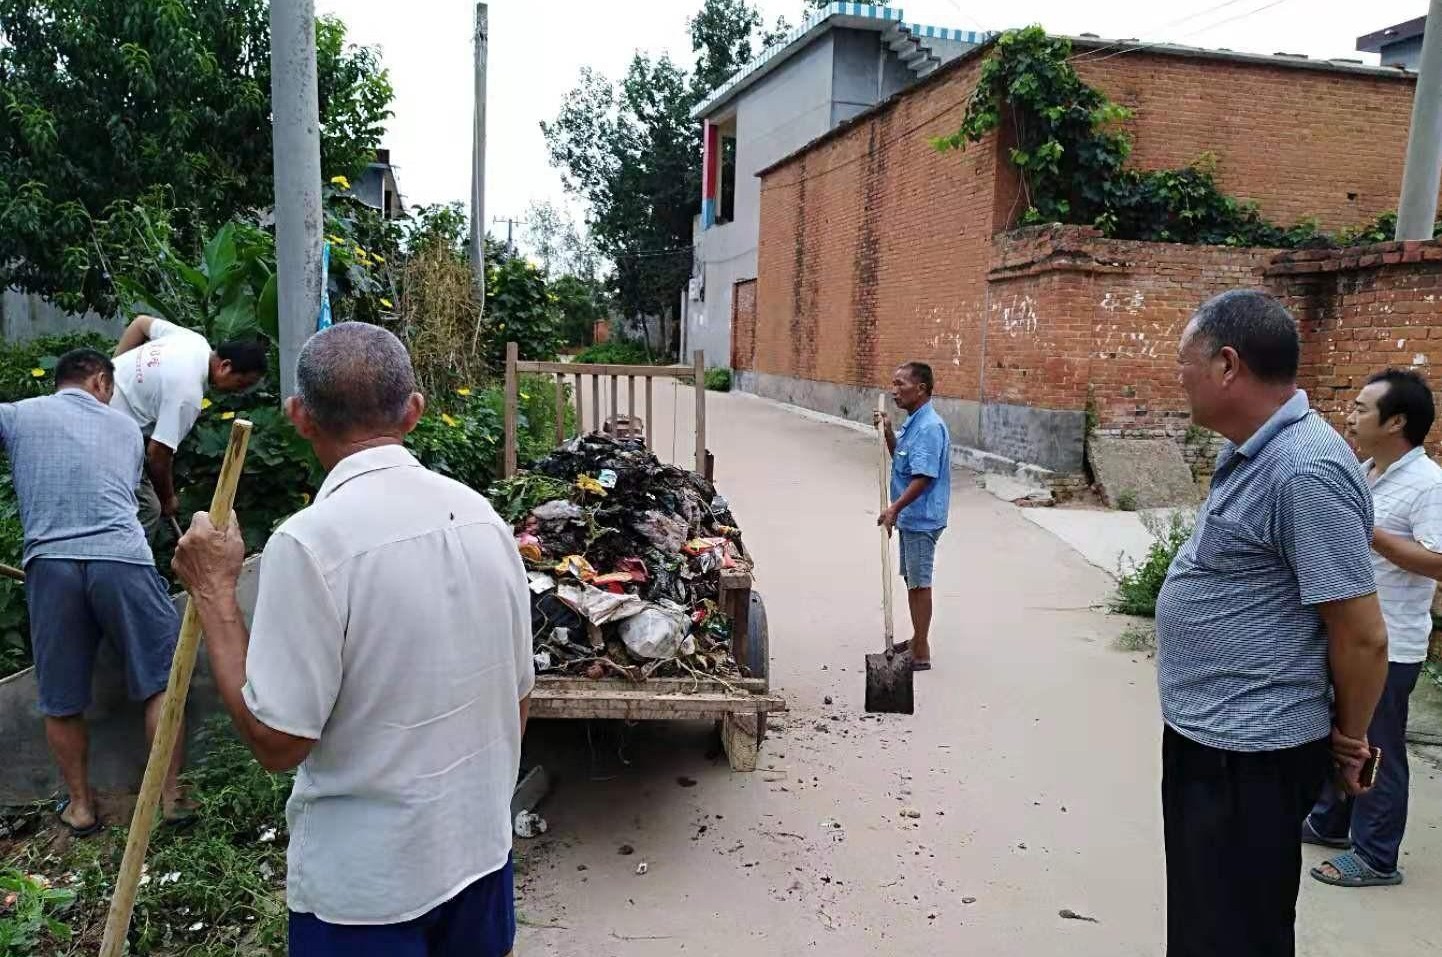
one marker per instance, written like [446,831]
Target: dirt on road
[1025,786]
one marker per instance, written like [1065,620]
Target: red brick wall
[743,324]
[874,249]
[1361,310]
[1301,143]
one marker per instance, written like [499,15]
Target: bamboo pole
[700,365]
[122,904]
[508,455]
[560,410]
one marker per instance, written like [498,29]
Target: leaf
[219,255]
[267,310]
[236,319]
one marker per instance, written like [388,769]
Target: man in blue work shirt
[89,573]
[920,494]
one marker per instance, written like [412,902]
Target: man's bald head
[355,377]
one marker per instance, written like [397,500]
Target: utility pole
[298,221]
[511,225]
[1417,209]
[478,159]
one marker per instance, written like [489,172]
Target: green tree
[164,105]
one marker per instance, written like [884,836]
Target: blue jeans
[480,921]
[1377,819]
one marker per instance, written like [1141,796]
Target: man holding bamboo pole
[390,659]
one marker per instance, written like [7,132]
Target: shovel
[888,673]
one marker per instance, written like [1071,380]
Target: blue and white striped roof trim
[814,24]
[946,33]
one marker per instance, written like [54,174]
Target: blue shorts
[918,553]
[76,603]
[480,921]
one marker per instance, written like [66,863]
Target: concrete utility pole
[478,158]
[298,220]
[1417,209]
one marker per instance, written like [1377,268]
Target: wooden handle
[117,923]
[6,571]
[883,473]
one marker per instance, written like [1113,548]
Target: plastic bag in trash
[542,660]
[558,510]
[597,606]
[657,632]
[663,531]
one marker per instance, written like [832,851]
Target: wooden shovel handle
[122,904]
[883,474]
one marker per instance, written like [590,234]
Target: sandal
[90,830]
[921,666]
[1310,835]
[1355,872]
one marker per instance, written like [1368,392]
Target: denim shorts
[918,553]
[74,604]
[480,921]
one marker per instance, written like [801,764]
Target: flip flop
[1355,872]
[921,666]
[90,830]
[1310,836]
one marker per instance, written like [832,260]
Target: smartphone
[1368,775]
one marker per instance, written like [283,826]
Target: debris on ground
[642,868]
[625,850]
[624,556]
[1067,913]
[530,824]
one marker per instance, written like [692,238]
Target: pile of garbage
[624,556]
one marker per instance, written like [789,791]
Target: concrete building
[1399,45]
[841,61]
[378,189]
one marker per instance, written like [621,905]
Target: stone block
[1140,473]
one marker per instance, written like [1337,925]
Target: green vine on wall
[1071,156]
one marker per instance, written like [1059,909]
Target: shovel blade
[888,683]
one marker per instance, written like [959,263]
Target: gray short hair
[354,376]
[1259,327]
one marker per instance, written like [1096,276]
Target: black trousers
[1233,824]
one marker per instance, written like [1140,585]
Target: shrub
[718,380]
[1137,590]
[618,352]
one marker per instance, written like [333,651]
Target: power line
[1163,26]
[1210,26]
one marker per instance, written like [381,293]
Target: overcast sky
[537,48]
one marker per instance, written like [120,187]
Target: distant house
[378,189]
[1399,45]
[841,61]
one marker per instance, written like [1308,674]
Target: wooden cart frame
[739,707]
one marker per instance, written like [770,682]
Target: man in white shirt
[390,659]
[161,373]
[1389,422]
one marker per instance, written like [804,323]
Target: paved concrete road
[1033,760]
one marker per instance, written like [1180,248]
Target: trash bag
[597,606]
[658,631]
[559,510]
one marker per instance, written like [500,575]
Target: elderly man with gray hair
[390,660]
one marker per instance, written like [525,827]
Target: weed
[1137,590]
[1196,435]
[718,380]
[1127,500]
[28,909]
[1139,637]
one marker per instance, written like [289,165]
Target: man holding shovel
[390,659]
[89,574]
[920,494]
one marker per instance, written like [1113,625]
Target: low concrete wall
[118,747]
[1049,439]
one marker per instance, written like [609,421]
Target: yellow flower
[336,240]
[378,259]
[305,498]
[524,397]
[227,416]
[205,404]
[340,181]
[360,254]
[387,303]
[463,391]
[37,372]
[450,420]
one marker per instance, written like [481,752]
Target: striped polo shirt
[1242,654]
[1408,501]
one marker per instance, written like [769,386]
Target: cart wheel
[758,644]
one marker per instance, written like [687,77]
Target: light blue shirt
[1242,652]
[76,464]
[923,448]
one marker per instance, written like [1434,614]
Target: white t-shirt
[161,382]
[393,627]
[1407,500]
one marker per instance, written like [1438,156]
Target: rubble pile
[624,556]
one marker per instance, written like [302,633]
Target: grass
[618,352]
[215,889]
[1137,638]
[1137,590]
[1127,500]
[718,380]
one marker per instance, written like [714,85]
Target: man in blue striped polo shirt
[1389,422]
[1271,645]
